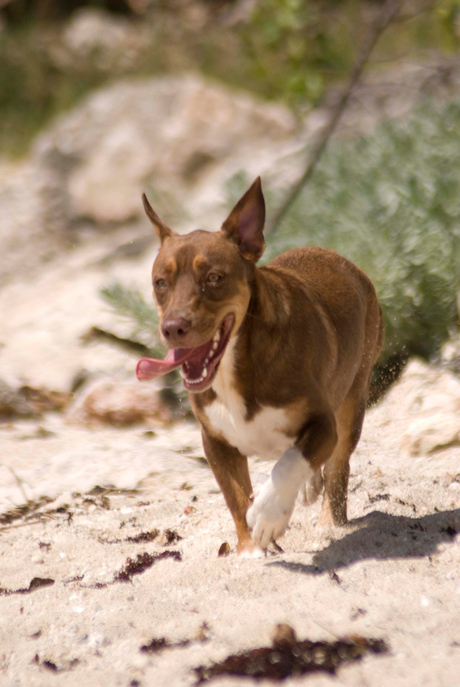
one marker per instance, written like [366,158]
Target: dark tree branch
[388,14]
[97,334]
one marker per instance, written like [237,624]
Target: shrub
[390,202]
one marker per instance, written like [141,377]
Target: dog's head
[201,284]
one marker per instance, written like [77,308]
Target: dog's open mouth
[199,365]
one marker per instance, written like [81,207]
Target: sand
[393,573]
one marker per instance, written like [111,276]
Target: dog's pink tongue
[149,368]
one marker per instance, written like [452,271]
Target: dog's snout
[175,328]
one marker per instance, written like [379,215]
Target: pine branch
[98,334]
[131,305]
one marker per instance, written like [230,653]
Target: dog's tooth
[182,373]
[195,381]
[216,336]
[205,372]
[215,346]
[206,361]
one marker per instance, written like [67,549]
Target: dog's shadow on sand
[381,536]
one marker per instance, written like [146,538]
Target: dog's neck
[267,295]
[268,313]
[225,385]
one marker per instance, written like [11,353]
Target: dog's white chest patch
[264,436]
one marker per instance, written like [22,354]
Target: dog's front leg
[231,471]
[269,515]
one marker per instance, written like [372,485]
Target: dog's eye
[160,283]
[214,278]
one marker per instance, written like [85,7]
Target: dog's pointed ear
[162,230]
[245,223]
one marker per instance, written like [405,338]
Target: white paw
[269,515]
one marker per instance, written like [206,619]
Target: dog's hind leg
[336,471]
[349,419]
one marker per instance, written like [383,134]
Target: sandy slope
[393,573]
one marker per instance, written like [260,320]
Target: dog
[277,361]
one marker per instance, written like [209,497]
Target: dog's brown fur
[308,331]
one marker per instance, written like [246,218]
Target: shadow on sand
[381,536]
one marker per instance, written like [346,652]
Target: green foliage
[293,45]
[33,88]
[129,304]
[448,16]
[390,202]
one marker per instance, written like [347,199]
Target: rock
[427,389]
[109,42]
[432,434]
[43,400]
[13,404]
[179,139]
[118,403]
[428,397]
[167,133]
[450,352]
[28,401]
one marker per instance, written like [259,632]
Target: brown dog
[277,361]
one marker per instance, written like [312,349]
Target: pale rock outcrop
[108,41]
[166,134]
[178,138]
[428,398]
[119,403]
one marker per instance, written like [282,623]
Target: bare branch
[388,14]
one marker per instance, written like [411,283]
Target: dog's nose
[175,328]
